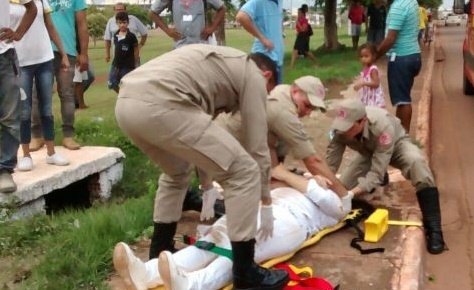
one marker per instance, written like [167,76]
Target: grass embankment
[72,250]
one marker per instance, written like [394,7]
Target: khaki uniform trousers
[175,139]
[406,156]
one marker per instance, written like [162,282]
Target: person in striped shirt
[403,51]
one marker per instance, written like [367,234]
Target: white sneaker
[56,159]
[25,164]
[173,277]
[129,267]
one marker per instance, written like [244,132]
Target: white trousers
[211,271]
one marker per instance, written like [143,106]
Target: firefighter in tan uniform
[380,141]
[166,107]
[285,105]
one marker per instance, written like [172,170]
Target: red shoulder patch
[385,138]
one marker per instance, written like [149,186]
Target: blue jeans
[41,75]
[9,110]
[279,76]
[65,85]
[115,75]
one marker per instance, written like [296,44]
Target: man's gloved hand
[266,223]
[208,199]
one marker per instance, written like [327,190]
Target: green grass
[72,250]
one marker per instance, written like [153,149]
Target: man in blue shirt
[401,42]
[263,20]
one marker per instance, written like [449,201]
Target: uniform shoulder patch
[385,138]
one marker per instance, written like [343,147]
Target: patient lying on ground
[298,215]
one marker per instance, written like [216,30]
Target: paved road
[453,163]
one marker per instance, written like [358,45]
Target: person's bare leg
[404,114]
[79,93]
[311,56]
[355,42]
[50,147]
[26,150]
[294,55]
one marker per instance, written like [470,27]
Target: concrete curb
[410,273]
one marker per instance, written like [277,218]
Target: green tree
[96,23]
[139,12]
[331,41]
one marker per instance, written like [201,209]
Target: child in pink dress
[368,84]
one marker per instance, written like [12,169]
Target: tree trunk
[330,26]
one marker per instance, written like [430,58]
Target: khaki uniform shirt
[283,124]
[381,133]
[212,79]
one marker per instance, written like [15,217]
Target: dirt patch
[14,270]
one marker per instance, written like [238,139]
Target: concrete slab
[103,165]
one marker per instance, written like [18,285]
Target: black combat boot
[192,200]
[250,276]
[162,239]
[386,179]
[428,199]
[219,208]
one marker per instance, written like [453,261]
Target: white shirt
[5,21]
[311,215]
[35,46]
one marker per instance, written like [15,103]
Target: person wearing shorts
[404,58]
[357,17]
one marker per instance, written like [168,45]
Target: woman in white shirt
[300,212]
[35,55]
